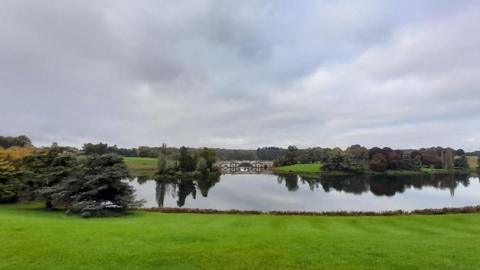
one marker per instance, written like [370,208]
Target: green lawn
[36,239]
[299,168]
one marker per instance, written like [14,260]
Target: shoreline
[386,173]
[426,211]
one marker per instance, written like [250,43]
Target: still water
[268,192]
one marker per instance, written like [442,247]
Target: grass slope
[299,168]
[35,239]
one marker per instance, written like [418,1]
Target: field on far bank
[304,168]
[141,166]
[33,238]
[299,168]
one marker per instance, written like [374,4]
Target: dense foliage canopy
[20,141]
[360,159]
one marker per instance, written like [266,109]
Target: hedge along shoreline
[427,211]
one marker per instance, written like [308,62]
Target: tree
[410,162]
[269,153]
[7,190]
[307,156]
[208,155]
[99,148]
[10,170]
[20,141]
[145,151]
[378,162]
[202,165]
[354,160]
[46,170]
[431,158]
[98,188]
[461,162]
[357,152]
[186,161]
[290,157]
[394,159]
[162,159]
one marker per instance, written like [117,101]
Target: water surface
[268,192]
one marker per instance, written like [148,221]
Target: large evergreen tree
[99,188]
[45,171]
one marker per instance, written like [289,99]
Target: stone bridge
[237,164]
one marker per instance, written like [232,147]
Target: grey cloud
[237,74]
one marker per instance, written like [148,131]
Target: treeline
[142,151]
[359,159]
[266,153]
[20,141]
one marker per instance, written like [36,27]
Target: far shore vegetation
[360,160]
[143,161]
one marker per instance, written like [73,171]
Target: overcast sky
[241,74]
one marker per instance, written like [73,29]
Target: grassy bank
[36,239]
[140,166]
[316,169]
[299,168]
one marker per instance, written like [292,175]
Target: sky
[241,74]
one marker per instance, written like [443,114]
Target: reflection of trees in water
[380,185]
[185,188]
[182,188]
[160,191]
[352,184]
[291,181]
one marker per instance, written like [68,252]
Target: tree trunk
[49,204]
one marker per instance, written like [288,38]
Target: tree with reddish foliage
[430,157]
[378,162]
[394,160]
[373,151]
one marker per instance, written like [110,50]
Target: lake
[271,192]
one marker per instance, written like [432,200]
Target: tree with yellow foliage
[11,160]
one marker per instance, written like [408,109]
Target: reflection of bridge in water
[244,166]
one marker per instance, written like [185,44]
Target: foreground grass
[299,168]
[36,239]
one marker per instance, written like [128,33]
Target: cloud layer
[244,75]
